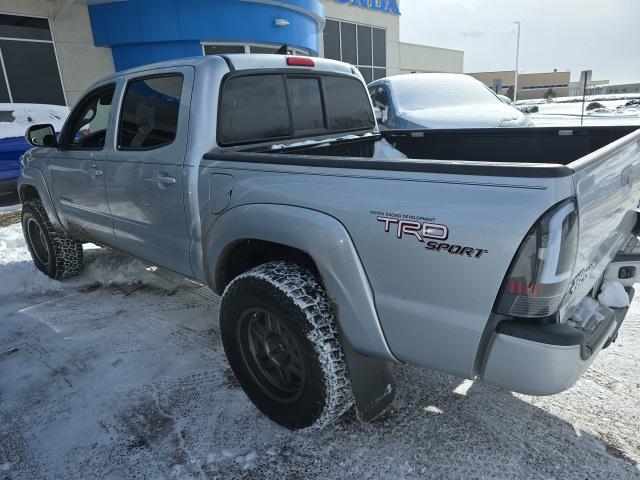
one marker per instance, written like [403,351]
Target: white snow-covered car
[440,100]
[15,119]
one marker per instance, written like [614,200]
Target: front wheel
[55,255]
[281,340]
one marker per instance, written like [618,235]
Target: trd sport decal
[433,235]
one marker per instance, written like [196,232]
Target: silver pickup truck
[473,252]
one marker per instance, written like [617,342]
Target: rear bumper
[546,359]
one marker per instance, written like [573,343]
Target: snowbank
[19,276]
[588,98]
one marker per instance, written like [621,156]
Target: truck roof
[246,61]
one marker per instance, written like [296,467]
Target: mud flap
[371,381]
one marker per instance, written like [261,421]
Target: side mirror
[41,136]
[379,114]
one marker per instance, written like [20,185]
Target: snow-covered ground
[562,112]
[120,373]
[590,98]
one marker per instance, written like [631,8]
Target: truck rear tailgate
[608,193]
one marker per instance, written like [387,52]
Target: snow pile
[105,267]
[18,273]
[19,276]
[384,149]
[15,118]
[588,98]
[613,294]
[615,112]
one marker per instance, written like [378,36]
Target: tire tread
[305,291]
[68,258]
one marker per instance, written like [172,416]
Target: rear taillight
[300,62]
[541,271]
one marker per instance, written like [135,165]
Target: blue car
[15,118]
[10,151]
[440,101]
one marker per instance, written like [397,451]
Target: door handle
[95,171]
[162,180]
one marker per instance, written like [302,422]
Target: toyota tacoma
[476,252]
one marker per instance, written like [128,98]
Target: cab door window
[90,120]
[150,113]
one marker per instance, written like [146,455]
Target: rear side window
[254,108]
[259,108]
[348,106]
[150,113]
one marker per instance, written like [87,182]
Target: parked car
[440,100]
[255,175]
[15,118]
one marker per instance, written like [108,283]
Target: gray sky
[602,35]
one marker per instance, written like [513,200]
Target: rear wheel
[55,255]
[280,337]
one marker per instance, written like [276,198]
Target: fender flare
[328,243]
[31,176]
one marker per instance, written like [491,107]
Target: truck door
[144,174]
[77,169]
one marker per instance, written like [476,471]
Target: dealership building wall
[398,57]
[530,85]
[75,60]
[52,50]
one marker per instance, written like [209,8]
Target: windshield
[436,90]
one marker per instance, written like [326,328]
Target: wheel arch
[32,186]
[247,234]
[244,254]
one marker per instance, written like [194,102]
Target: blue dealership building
[51,51]
[143,31]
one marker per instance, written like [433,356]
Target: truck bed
[548,145]
[487,187]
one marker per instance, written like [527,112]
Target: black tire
[55,255]
[312,388]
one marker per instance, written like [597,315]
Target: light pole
[515,87]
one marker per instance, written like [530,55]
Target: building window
[360,45]
[221,49]
[26,47]
[227,48]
